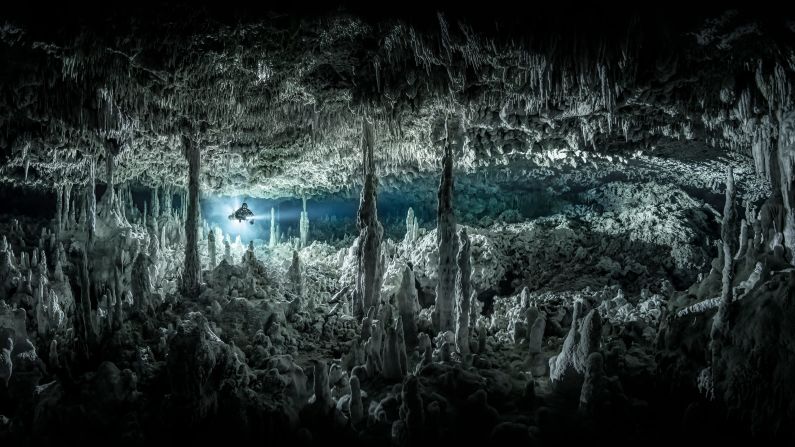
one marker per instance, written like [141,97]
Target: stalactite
[211,248]
[447,243]
[192,273]
[370,270]
[463,292]
[304,225]
[274,237]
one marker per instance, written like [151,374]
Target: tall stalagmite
[463,291]
[59,207]
[192,274]
[67,200]
[412,228]
[786,164]
[111,149]
[273,239]
[368,279]
[155,203]
[446,234]
[91,198]
[211,248]
[720,322]
[304,225]
[408,306]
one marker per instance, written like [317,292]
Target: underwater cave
[400,225]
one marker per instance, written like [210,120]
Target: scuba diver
[243,213]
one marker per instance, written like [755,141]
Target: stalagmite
[786,164]
[91,199]
[227,252]
[370,270]
[155,200]
[589,339]
[211,248]
[401,347]
[273,236]
[59,208]
[446,241]
[192,274]
[720,323]
[412,227]
[141,283]
[167,206]
[392,370]
[304,225]
[536,323]
[743,242]
[356,407]
[294,274]
[321,384]
[249,255]
[111,149]
[463,292]
[408,306]
[67,209]
[73,212]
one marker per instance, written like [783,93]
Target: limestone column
[304,225]
[192,270]
[369,274]
[91,195]
[446,239]
[463,290]
[273,239]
